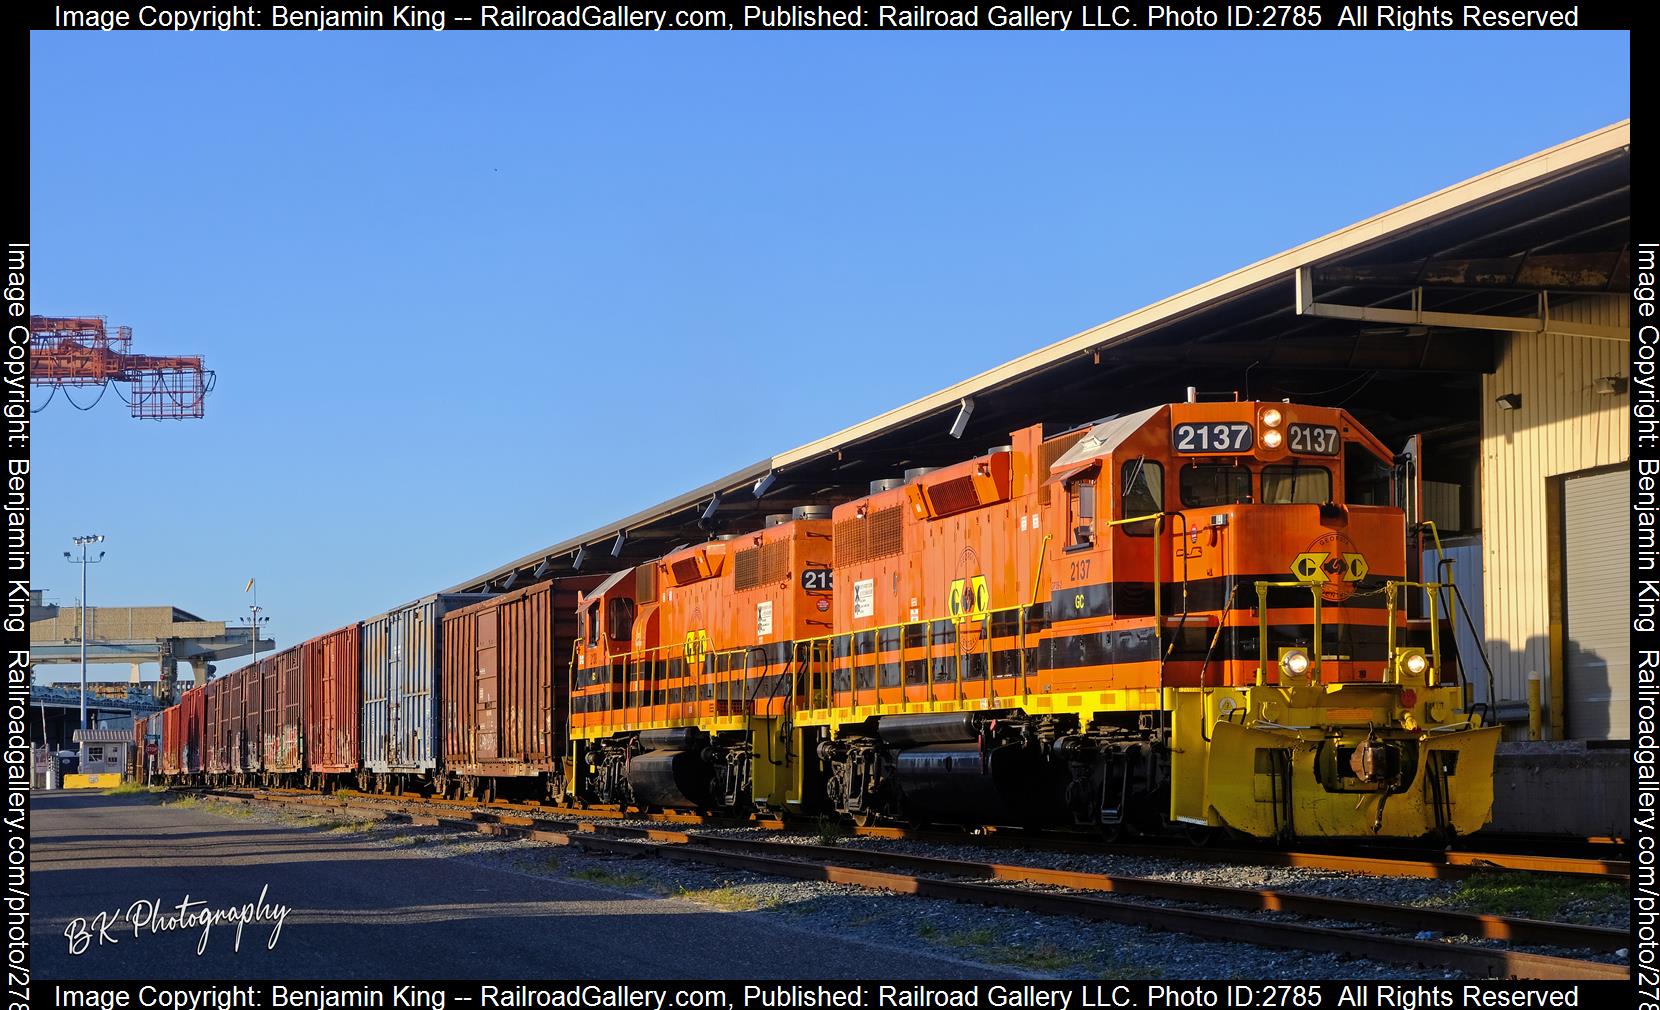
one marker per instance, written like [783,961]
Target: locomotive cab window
[590,617]
[1205,485]
[1081,511]
[1142,494]
[1296,485]
[621,615]
[1367,480]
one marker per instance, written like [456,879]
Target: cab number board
[1314,439]
[1217,437]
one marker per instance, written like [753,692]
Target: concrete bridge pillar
[167,687]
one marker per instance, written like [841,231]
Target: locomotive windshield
[1204,485]
[1296,484]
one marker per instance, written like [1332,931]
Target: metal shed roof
[1393,303]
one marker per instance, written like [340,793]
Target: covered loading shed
[1483,329]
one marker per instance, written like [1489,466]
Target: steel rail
[1441,865]
[1449,921]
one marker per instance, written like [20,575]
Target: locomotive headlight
[1412,663]
[1271,417]
[1271,439]
[1294,662]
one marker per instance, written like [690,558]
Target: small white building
[108,751]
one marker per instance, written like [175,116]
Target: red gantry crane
[86,351]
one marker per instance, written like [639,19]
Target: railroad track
[1422,863]
[1063,892]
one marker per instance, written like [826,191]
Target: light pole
[253,623]
[83,543]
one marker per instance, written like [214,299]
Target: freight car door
[489,716]
[397,690]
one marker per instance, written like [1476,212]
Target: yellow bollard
[1535,707]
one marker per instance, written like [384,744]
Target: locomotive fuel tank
[669,778]
[959,782]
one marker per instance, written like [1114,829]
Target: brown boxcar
[505,689]
[230,721]
[142,763]
[169,756]
[216,755]
[332,694]
[247,743]
[281,729]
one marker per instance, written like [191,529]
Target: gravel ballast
[1021,943]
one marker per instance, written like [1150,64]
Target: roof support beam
[1417,315]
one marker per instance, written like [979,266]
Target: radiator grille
[876,536]
[760,566]
[645,583]
[953,496]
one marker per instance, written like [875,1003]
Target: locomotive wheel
[1198,835]
[863,818]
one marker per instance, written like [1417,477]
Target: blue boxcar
[401,653]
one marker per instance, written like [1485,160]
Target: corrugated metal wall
[1563,426]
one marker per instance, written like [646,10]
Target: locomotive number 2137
[1218,437]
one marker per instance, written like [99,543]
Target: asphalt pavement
[365,912]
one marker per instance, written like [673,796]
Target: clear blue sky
[468,294]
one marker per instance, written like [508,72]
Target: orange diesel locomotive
[1193,616]
[689,668]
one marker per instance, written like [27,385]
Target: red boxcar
[332,702]
[283,677]
[183,727]
[505,688]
